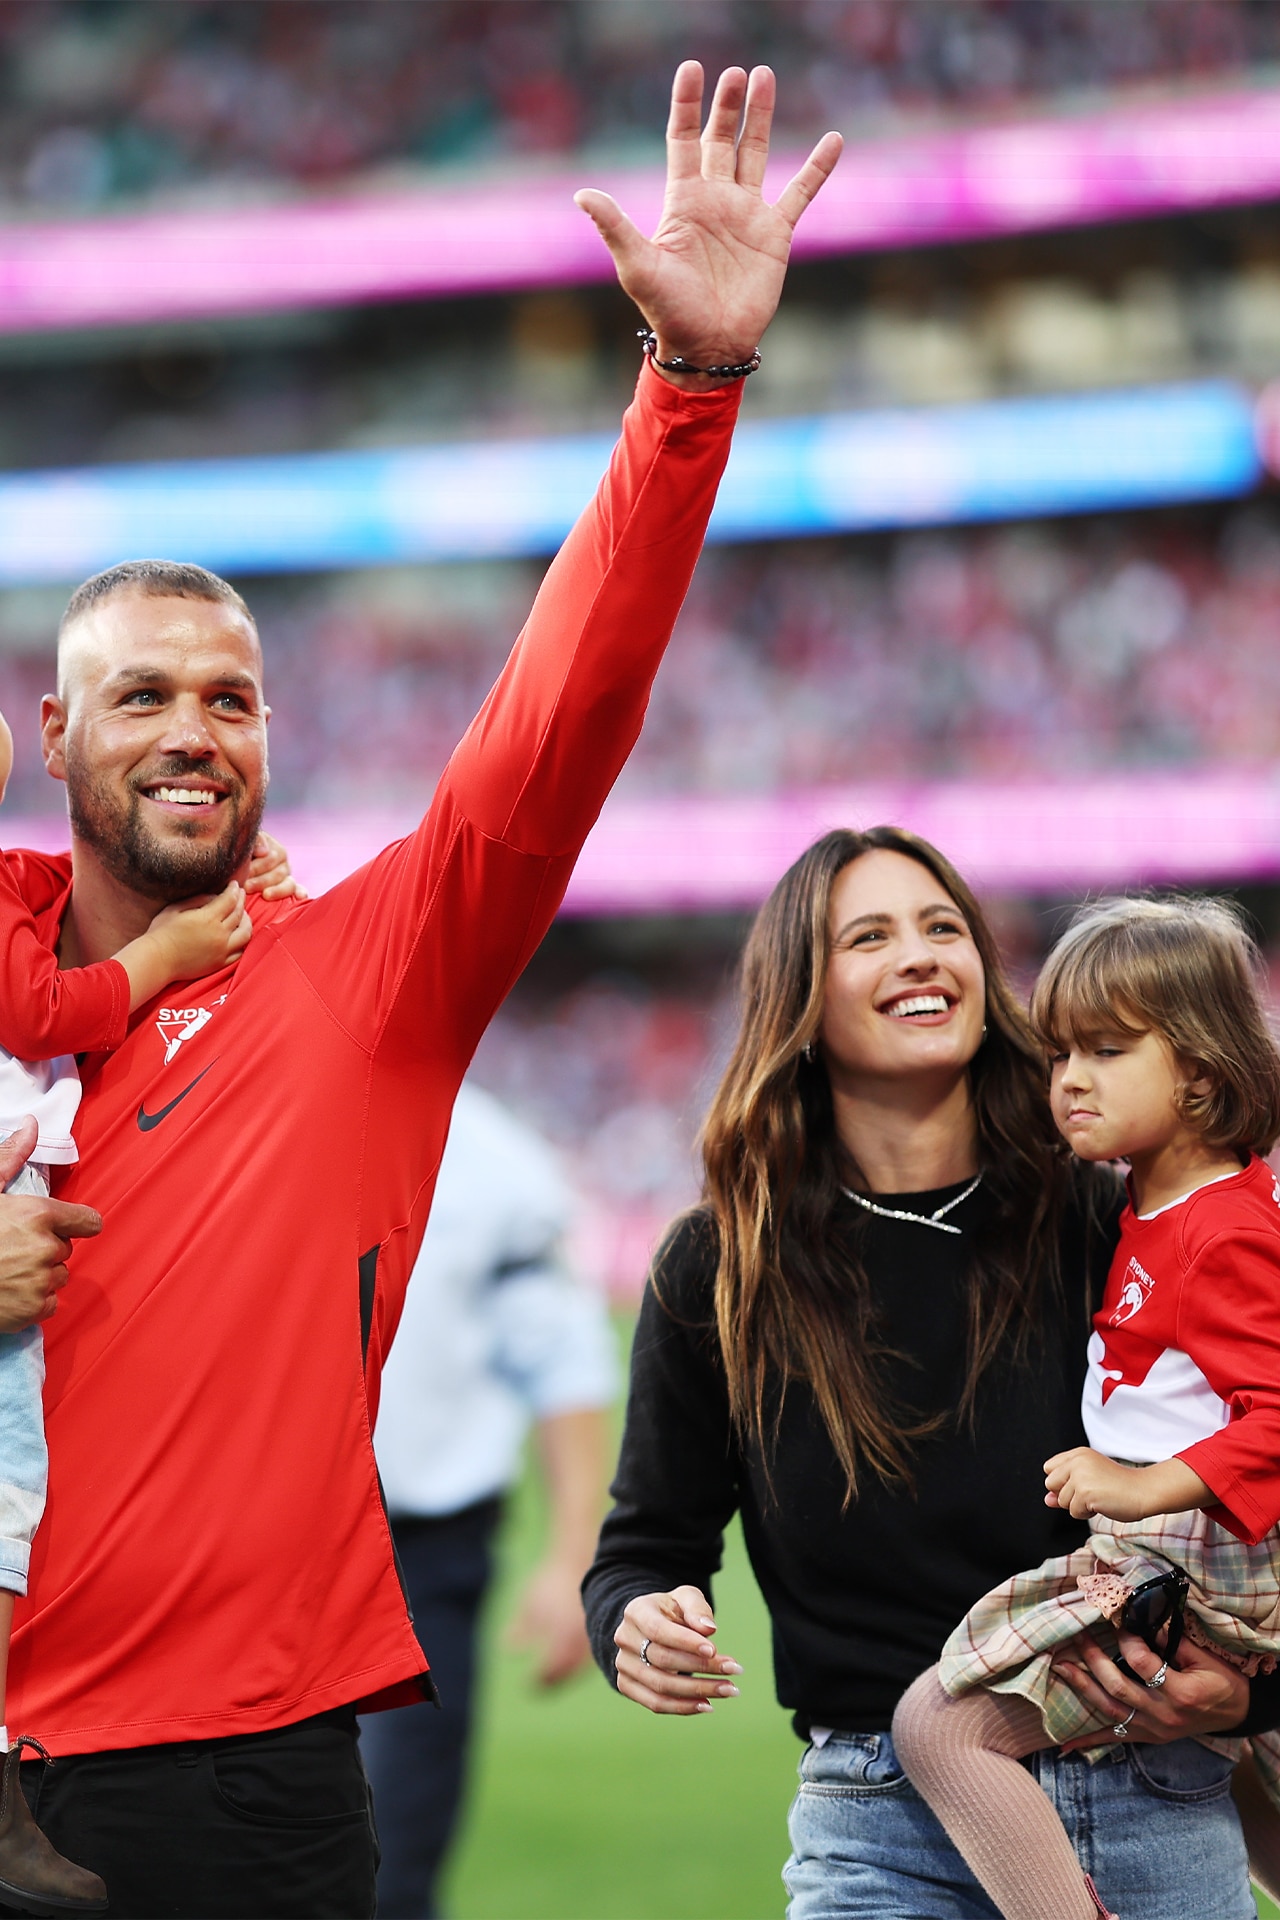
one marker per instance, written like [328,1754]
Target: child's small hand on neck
[186,941]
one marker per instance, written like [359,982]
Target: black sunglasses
[1156,1605]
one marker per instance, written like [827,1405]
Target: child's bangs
[1076,1002]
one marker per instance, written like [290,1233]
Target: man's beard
[169,869]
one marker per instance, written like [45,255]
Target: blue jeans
[1156,1827]
[24,1460]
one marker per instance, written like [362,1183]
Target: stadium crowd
[104,102]
[1056,648]
[1051,648]
[991,653]
[615,1071]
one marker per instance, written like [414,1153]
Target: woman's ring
[1157,1679]
[1122,1731]
[645,1661]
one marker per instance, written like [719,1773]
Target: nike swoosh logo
[148,1120]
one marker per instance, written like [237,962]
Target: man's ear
[53,734]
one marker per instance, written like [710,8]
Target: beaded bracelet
[649,340]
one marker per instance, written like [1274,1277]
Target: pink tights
[963,1755]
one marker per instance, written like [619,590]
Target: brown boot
[34,1877]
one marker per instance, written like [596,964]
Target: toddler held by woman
[1162,1056]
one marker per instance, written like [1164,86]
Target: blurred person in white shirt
[497,1335]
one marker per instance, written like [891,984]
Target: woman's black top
[861,1598]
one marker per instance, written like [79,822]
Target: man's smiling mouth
[188,798]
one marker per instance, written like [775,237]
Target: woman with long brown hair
[867,1340]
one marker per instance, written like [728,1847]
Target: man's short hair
[159,579]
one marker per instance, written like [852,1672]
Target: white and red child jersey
[1184,1360]
[214,1558]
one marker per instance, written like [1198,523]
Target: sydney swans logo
[178,1024]
[1133,1294]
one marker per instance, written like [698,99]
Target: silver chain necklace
[938,1219]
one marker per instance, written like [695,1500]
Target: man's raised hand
[709,280]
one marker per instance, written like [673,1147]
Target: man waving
[213,1590]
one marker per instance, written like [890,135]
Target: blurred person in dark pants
[497,1334]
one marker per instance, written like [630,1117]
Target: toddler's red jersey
[215,1558]
[1185,1356]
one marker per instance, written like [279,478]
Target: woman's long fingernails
[727,1693]
[730,1666]
[703,1706]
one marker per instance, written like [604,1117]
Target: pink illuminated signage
[718,852]
[725,851]
[1139,156]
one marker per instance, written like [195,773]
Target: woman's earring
[809,1051]
[984,1032]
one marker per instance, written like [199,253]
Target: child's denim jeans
[24,1461]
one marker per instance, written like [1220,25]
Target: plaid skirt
[1007,1642]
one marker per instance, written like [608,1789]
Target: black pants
[417,1755]
[263,1826]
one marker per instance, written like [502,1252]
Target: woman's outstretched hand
[1202,1694]
[709,280]
[684,1673]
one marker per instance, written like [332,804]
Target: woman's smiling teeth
[919,1003]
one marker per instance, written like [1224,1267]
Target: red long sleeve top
[214,1557]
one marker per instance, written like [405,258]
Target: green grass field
[585,1808]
